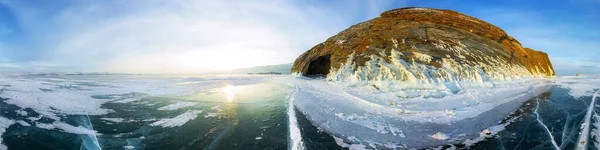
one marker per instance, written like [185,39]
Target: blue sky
[165,36]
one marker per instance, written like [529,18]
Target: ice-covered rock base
[375,118]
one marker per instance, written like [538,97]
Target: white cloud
[187,37]
[574,65]
[8,65]
[30,67]
[181,36]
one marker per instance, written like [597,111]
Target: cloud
[31,67]
[177,36]
[572,66]
[8,66]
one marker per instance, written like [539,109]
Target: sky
[199,36]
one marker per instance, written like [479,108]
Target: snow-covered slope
[364,114]
[407,79]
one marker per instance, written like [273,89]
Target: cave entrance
[320,66]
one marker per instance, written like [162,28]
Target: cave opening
[319,66]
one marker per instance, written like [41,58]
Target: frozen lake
[288,112]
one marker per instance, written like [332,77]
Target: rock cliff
[423,44]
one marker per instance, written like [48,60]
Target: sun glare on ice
[229,91]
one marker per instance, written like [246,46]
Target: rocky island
[419,78]
[438,39]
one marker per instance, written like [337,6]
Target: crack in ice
[564,131]
[89,141]
[595,132]
[544,125]
[295,136]
[585,127]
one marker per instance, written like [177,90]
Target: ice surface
[361,105]
[52,96]
[413,122]
[579,86]
[62,98]
[177,120]
[539,120]
[55,97]
[359,114]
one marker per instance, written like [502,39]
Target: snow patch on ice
[178,105]
[341,143]
[62,99]
[23,123]
[439,136]
[208,115]
[126,100]
[4,123]
[34,118]
[116,120]
[178,120]
[66,128]
[22,112]
[488,132]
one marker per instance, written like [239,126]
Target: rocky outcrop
[423,43]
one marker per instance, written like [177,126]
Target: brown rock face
[431,37]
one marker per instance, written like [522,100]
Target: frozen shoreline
[365,118]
